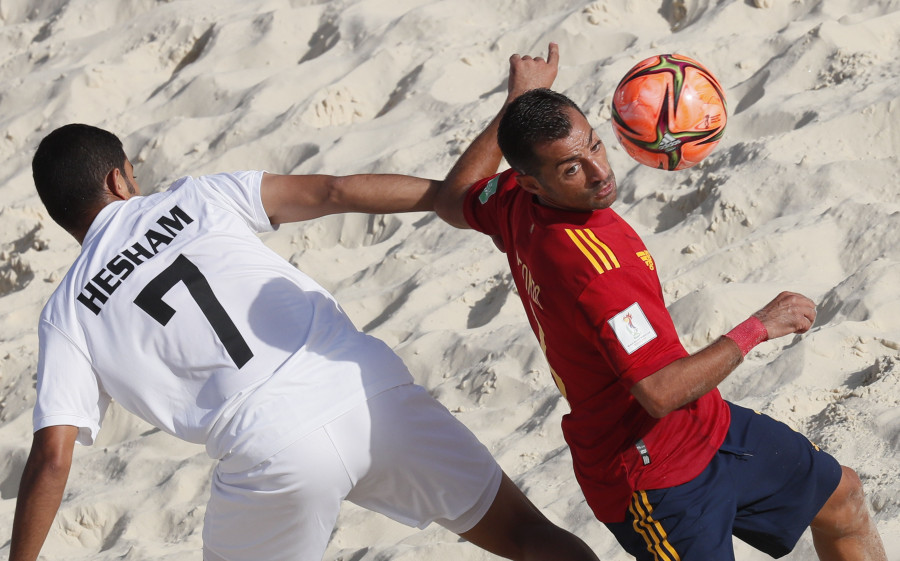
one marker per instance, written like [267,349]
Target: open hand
[527,73]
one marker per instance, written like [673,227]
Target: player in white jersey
[176,310]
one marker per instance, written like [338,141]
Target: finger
[553,54]
[807,308]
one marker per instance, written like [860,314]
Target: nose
[597,171]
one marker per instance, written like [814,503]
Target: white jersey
[178,311]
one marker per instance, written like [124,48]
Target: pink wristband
[748,334]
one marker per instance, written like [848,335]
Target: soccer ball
[669,112]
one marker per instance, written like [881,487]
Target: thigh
[764,486]
[689,522]
[282,509]
[423,465]
[786,481]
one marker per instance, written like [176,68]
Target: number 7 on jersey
[183,270]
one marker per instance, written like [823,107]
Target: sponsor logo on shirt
[632,328]
[489,190]
[647,258]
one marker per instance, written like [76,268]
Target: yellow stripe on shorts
[652,531]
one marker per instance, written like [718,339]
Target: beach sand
[802,194]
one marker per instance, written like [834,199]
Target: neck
[79,235]
[549,204]
[80,232]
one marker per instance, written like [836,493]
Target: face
[573,172]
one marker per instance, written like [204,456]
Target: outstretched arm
[689,378]
[292,198]
[41,490]
[483,156]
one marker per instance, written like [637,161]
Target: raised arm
[41,490]
[689,378]
[483,156]
[292,198]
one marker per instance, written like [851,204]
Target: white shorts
[401,454]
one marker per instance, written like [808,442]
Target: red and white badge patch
[632,328]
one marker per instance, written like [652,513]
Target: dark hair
[69,169]
[535,117]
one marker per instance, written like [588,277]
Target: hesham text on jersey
[101,286]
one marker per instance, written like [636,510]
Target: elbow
[656,403]
[52,464]
[58,465]
[448,203]
[347,193]
[51,451]
[657,410]
[335,192]
[444,209]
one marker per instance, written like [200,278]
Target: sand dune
[802,194]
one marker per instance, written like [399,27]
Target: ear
[530,184]
[116,184]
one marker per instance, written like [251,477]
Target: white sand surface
[802,194]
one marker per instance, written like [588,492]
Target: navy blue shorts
[764,486]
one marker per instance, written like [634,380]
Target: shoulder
[593,248]
[223,182]
[489,187]
[58,320]
[488,201]
[595,261]
[236,192]
[597,245]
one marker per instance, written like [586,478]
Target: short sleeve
[631,323]
[240,193]
[485,200]
[68,392]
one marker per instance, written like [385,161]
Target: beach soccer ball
[668,112]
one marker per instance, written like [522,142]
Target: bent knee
[850,489]
[846,509]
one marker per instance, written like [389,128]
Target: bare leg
[515,529]
[843,529]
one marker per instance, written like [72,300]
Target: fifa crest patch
[632,328]
[489,190]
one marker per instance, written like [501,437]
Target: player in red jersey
[669,466]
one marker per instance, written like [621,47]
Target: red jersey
[593,298]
